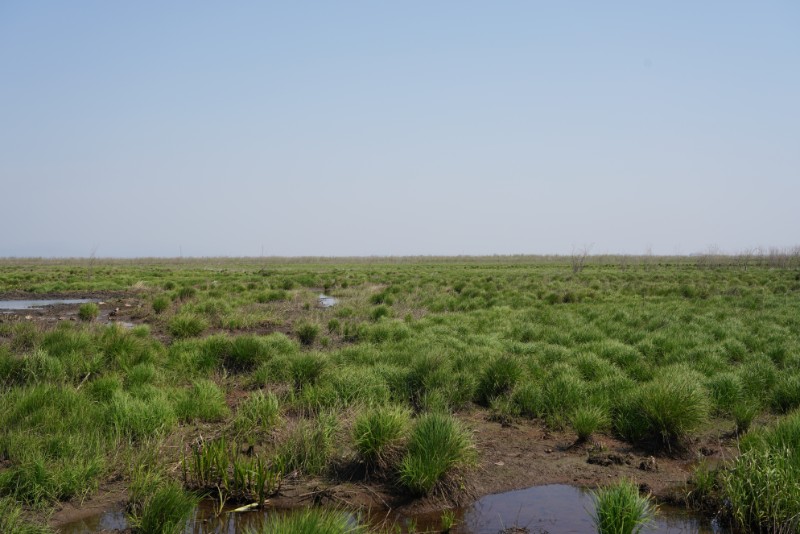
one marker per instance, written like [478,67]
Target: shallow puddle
[553,509]
[562,509]
[326,302]
[14,305]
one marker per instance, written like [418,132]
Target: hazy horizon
[358,130]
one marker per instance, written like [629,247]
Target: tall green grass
[620,509]
[310,445]
[11,521]
[762,486]
[667,409]
[166,511]
[310,521]
[437,445]
[379,435]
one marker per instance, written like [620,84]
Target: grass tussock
[166,511]
[437,445]
[311,521]
[379,435]
[620,509]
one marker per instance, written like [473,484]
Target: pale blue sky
[361,128]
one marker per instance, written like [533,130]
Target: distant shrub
[88,311]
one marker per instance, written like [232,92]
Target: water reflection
[553,509]
[14,305]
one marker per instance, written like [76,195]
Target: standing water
[326,302]
[552,509]
[15,305]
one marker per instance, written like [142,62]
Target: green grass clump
[667,409]
[187,325]
[307,332]
[498,378]
[11,521]
[186,293]
[379,312]
[310,445]
[306,368]
[273,295]
[619,509]
[88,311]
[379,435]
[137,418]
[166,511]
[586,420]
[204,401]
[437,444]
[160,304]
[311,521]
[786,394]
[258,412]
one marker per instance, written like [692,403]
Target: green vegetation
[762,486]
[166,511]
[311,521]
[587,420]
[88,311]
[11,521]
[160,304]
[619,509]
[379,435]
[436,446]
[656,351]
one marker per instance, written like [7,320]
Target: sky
[356,128]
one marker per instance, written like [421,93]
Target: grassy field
[232,378]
